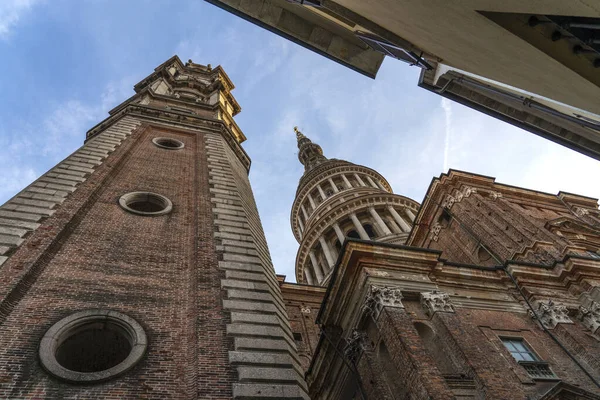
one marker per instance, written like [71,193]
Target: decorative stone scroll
[435,231]
[495,195]
[305,309]
[355,344]
[379,297]
[551,314]
[436,301]
[450,200]
[465,192]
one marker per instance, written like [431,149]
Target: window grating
[536,368]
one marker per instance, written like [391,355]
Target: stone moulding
[436,301]
[72,324]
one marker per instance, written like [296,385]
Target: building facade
[137,268]
[484,54]
[494,293]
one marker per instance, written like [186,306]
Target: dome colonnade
[337,199]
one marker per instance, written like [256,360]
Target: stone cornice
[337,212]
[454,182]
[183,120]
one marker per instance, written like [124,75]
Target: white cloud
[34,147]
[11,12]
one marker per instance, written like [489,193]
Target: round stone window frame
[156,198]
[157,142]
[71,325]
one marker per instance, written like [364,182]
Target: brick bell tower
[336,199]
[137,268]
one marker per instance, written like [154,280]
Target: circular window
[168,143]
[92,346]
[146,203]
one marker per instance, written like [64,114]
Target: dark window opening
[297,336]
[353,234]
[444,219]
[369,229]
[145,206]
[95,347]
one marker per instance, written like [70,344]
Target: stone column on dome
[321,192]
[410,214]
[315,265]
[380,185]
[382,226]
[405,227]
[333,186]
[361,231]
[346,182]
[309,276]
[304,212]
[394,225]
[300,224]
[339,233]
[311,201]
[372,182]
[327,252]
[360,181]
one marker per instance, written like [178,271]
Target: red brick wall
[159,270]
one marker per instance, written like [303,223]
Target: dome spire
[299,134]
[310,154]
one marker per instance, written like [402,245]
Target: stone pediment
[565,391]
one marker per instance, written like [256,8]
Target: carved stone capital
[355,344]
[590,316]
[379,297]
[551,314]
[589,310]
[436,301]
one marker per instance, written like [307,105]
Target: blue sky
[66,63]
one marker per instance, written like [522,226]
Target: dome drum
[368,218]
[325,187]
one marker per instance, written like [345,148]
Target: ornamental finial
[299,134]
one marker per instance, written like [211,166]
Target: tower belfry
[338,199]
[139,262]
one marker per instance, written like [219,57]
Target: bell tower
[336,199]
[138,267]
